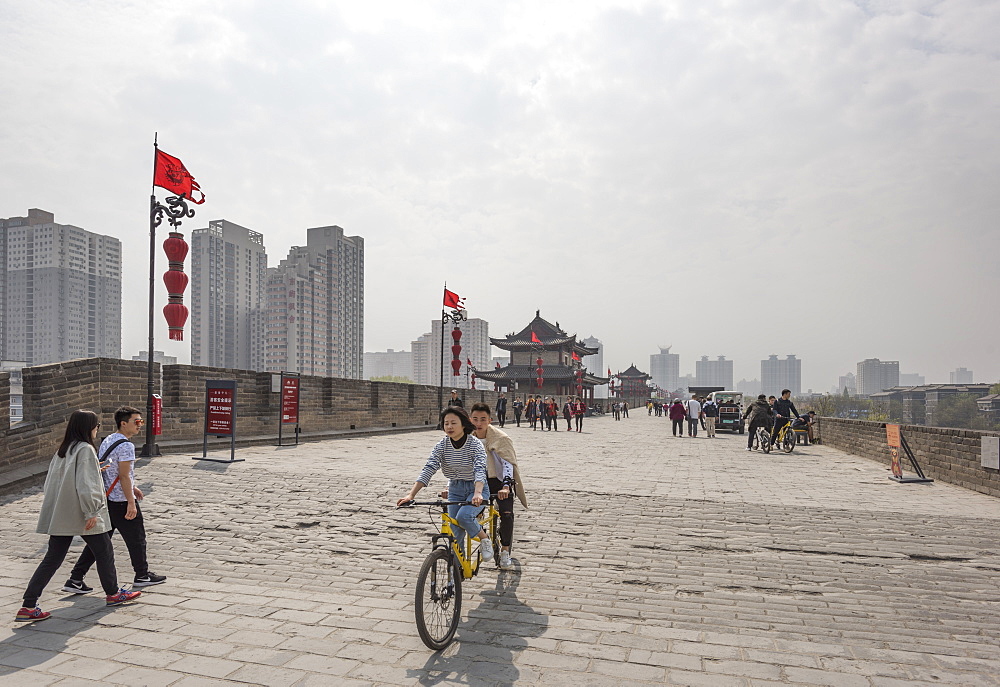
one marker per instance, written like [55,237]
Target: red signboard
[289,400]
[157,418]
[892,436]
[219,415]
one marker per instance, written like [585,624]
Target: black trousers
[779,422]
[502,417]
[678,427]
[506,508]
[99,547]
[517,418]
[569,422]
[579,422]
[133,534]
[752,430]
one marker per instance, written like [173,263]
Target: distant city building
[389,363]
[475,343]
[14,367]
[750,388]
[228,272]
[158,357]
[595,364]
[685,382]
[60,291]
[314,309]
[911,379]
[961,376]
[665,368]
[875,375]
[776,375]
[718,372]
[919,404]
[849,382]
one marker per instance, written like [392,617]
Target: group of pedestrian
[774,413]
[539,412]
[695,411]
[619,409]
[90,497]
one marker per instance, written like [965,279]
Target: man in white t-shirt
[117,454]
[694,415]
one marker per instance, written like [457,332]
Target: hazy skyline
[815,177]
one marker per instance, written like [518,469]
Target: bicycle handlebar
[438,503]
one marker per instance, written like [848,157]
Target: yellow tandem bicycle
[438,602]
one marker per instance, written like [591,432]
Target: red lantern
[176,315]
[176,282]
[539,372]
[456,352]
[473,380]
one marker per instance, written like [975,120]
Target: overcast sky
[817,177]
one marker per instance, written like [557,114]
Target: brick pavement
[647,560]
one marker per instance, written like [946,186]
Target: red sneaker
[27,615]
[123,596]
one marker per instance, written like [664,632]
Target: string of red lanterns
[456,352]
[175,312]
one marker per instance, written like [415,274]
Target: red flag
[171,174]
[534,338]
[609,371]
[468,361]
[575,356]
[453,300]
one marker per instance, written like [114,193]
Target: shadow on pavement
[485,644]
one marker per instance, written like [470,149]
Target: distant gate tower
[556,348]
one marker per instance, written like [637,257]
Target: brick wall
[949,455]
[53,392]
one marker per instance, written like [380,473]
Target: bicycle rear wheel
[788,441]
[438,604]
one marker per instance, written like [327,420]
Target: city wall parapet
[326,404]
[946,454]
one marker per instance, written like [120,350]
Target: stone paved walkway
[646,560]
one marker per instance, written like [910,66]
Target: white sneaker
[505,562]
[486,549]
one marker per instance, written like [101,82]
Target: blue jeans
[464,490]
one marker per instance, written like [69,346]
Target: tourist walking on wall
[455,400]
[710,412]
[118,454]
[552,414]
[677,414]
[518,408]
[74,505]
[530,412]
[567,411]
[579,410]
[694,415]
[502,409]
[624,408]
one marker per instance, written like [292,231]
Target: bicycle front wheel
[788,441]
[438,603]
[765,440]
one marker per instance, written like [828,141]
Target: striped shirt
[465,463]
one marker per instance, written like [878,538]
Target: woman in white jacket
[75,505]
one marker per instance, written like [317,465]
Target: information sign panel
[289,400]
[892,435]
[157,418]
[219,415]
[991,453]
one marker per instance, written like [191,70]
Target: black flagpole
[150,449]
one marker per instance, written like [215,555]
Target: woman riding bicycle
[462,459]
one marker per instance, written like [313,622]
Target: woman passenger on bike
[462,459]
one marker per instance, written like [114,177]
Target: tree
[959,411]
[995,389]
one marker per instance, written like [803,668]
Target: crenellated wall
[52,392]
[949,455]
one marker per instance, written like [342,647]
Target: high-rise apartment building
[776,375]
[60,291]
[595,364]
[911,379]
[665,369]
[389,363]
[717,372]
[228,272]
[849,382]
[475,344]
[875,375]
[314,307]
[961,376]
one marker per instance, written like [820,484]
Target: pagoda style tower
[562,369]
[632,384]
